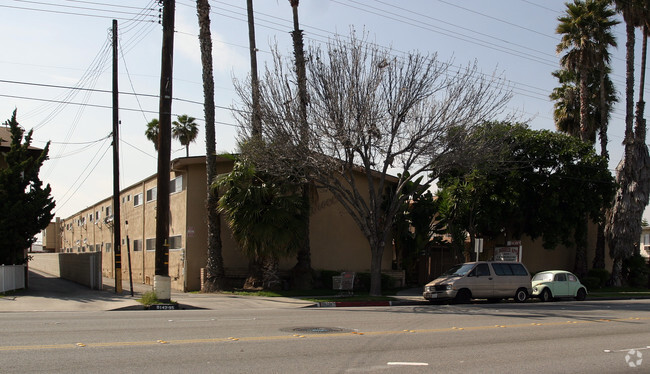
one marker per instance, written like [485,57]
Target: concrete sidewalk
[50,293]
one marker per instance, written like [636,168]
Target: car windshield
[543,277]
[459,270]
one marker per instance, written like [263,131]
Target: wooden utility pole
[162,282]
[116,171]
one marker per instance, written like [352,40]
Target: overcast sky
[56,68]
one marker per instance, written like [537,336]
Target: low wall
[82,268]
[12,277]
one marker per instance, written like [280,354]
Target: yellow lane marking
[293,336]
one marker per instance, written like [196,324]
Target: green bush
[592,283]
[601,274]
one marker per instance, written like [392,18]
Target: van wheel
[582,294]
[521,295]
[463,296]
[546,295]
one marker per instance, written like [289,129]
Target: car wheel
[521,295]
[546,295]
[581,295]
[463,296]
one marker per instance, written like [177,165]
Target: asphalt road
[572,337]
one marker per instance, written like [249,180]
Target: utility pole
[162,282]
[116,172]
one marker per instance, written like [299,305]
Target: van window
[509,269]
[502,269]
[482,270]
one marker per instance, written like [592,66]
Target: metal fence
[12,277]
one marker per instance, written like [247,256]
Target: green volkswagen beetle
[551,284]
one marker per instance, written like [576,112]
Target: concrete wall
[82,268]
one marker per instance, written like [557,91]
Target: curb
[346,304]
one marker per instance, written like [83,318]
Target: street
[565,336]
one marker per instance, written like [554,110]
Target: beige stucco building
[336,242]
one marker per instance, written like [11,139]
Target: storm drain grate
[315,330]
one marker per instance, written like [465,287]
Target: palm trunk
[302,271]
[584,97]
[599,256]
[215,273]
[256,121]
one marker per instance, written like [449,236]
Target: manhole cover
[315,330]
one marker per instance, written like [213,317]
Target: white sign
[507,254]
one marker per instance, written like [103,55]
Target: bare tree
[370,113]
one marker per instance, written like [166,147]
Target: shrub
[635,270]
[601,274]
[591,283]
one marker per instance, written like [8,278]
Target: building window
[109,212]
[152,194]
[108,247]
[176,184]
[98,247]
[98,215]
[137,245]
[137,199]
[176,242]
[150,244]
[90,217]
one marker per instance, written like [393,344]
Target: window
[176,242]
[90,217]
[176,184]
[137,245]
[572,278]
[560,277]
[137,199]
[482,270]
[152,194]
[98,215]
[150,244]
[109,211]
[509,269]
[108,247]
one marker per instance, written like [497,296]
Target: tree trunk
[215,273]
[254,281]
[619,237]
[580,267]
[257,123]
[302,271]
[271,279]
[377,252]
[584,112]
[599,257]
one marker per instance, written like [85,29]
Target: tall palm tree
[185,130]
[302,272]
[586,37]
[633,171]
[215,273]
[586,34]
[152,132]
[265,216]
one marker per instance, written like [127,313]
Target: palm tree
[302,272]
[633,171]
[214,269]
[586,37]
[265,216]
[152,132]
[185,130]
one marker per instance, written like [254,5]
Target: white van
[492,280]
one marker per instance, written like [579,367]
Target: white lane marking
[408,363]
[625,350]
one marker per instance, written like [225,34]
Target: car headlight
[449,286]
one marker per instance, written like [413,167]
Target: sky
[55,69]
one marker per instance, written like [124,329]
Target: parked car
[551,284]
[492,280]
